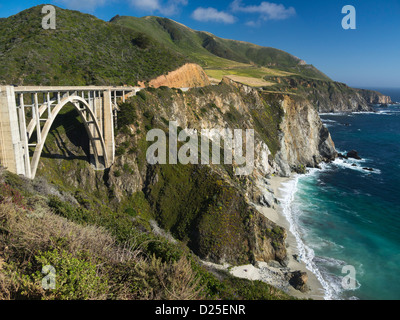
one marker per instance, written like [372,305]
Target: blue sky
[310,29]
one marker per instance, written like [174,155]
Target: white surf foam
[356,165]
[328,121]
[306,254]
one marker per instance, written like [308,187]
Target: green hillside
[82,50]
[214,53]
[85,50]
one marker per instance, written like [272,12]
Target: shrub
[127,114]
[131,212]
[9,193]
[148,114]
[142,95]
[75,278]
[142,41]
[157,280]
[117,173]
[120,151]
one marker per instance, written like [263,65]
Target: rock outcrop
[353,154]
[298,280]
[305,142]
[374,97]
[330,96]
[189,75]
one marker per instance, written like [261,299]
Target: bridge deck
[34,89]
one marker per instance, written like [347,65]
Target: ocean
[344,215]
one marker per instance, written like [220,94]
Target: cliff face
[329,96]
[374,97]
[305,141]
[208,207]
[188,76]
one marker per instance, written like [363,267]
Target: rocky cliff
[374,97]
[207,207]
[329,96]
[188,76]
[305,141]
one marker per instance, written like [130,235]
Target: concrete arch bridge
[27,114]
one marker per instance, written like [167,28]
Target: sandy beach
[317,291]
[273,274]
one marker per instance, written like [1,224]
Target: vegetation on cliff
[82,50]
[202,206]
[97,253]
[326,96]
[214,53]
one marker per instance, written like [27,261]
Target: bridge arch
[89,118]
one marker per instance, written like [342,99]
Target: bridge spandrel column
[108,127]
[98,106]
[11,150]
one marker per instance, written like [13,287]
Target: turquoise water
[344,215]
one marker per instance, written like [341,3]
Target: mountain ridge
[204,44]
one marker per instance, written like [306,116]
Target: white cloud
[90,5]
[169,7]
[211,14]
[266,10]
[146,5]
[252,23]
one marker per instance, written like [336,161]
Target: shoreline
[273,273]
[317,291]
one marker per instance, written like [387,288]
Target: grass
[87,260]
[84,50]
[251,72]
[219,56]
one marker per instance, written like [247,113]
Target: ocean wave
[332,284]
[352,164]
[306,254]
[387,112]
[328,123]
[335,281]
[330,262]
[323,244]
[390,111]
[334,114]
[344,152]
[328,120]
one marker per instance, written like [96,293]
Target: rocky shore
[294,278]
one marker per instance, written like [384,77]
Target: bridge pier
[11,149]
[108,125]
